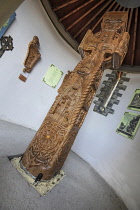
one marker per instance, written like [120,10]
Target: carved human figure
[33,55]
[50,146]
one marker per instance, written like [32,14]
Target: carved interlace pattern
[52,142]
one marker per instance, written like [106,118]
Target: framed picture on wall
[129,125]
[52,76]
[135,101]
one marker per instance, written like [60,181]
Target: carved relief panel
[52,142]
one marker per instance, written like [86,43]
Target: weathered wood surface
[50,146]
[97,23]
[33,55]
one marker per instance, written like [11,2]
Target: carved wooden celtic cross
[106,49]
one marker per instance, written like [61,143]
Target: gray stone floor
[81,189]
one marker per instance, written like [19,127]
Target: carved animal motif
[52,142]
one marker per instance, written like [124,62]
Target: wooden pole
[134,37]
[50,146]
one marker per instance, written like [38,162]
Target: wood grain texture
[134,40]
[33,55]
[50,146]
[85,14]
[77,9]
[22,78]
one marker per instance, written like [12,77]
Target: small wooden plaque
[23,78]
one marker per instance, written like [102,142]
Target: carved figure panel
[52,142]
[33,55]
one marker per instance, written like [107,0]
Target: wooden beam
[108,2]
[58,26]
[128,10]
[120,8]
[64,5]
[129,21]
[116,7]
[129,69]
[134,38]
[84,15]
[102,16]
[71,13]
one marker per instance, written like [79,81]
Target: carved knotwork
[52,142]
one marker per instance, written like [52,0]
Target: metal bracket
[6,44]
[110,92]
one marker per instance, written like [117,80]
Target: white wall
[27,103]
[116,158]
[113,156]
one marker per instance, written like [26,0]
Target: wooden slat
[64,5]
[116,7]
[108,2]
[124,9]
[130,19]
[128,10]
[84,15]
[71,13]
[58,26]
[102,16]
[134,38]
[120,8]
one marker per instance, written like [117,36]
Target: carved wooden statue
[52,142]
[33,55]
